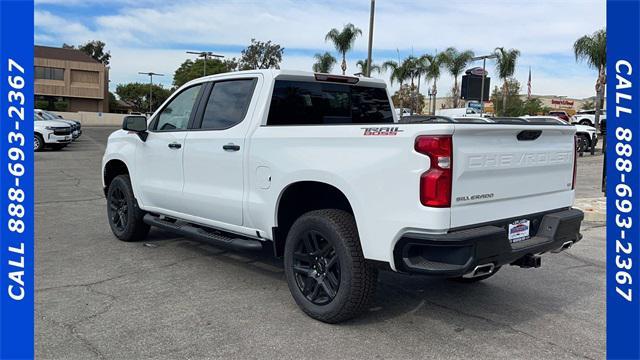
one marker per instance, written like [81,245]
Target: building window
[49,73]
[82,76]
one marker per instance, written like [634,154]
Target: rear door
[504,171]
[214,165]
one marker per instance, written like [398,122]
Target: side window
[175,116]
[227,104]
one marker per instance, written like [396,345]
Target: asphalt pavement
[174,298]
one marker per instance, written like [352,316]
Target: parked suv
[76,128]
[317,168]
[588,117]
[50,133]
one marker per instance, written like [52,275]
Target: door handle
[231,147]
[175,146]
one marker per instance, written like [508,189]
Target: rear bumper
[458,252]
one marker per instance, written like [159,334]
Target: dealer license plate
[519,230]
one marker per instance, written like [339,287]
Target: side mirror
[137,124]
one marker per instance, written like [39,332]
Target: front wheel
[583,144]
[38,142]
[125,218]
[327,273]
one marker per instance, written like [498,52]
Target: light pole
[484,74]
[151,74]
[373,7]
[206,55]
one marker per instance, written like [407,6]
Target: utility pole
[484,74]
[373,8]
[150,74]
[206,55]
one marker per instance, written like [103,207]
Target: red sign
[562,102]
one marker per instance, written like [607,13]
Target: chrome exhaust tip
[567,245]
[480,270]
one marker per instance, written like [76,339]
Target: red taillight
[435,183]
[575,161]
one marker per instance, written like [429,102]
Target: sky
[145,35]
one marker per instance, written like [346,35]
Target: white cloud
[143,35]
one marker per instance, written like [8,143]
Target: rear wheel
[583,144]
[325,268]
[125,218]
[38,142]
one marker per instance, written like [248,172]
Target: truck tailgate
[505,171]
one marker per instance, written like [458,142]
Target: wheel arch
[316,194]
[113,168]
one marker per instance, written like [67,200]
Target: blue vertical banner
[16,180]
[623,182]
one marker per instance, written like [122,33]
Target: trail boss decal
[381,131]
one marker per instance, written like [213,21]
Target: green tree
[513,106]
[532,106]
[96,50]
[432,72]
[362,65]
[137,94]
[258,55]
[593,50]
[588,105]
[343,41]
[408,94]
[398,74]
[191,69]
[506,66]
[324,62]
[456,61]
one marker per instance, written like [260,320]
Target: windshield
[47,116]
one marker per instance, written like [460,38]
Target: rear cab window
[324,103]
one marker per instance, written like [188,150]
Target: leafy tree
[532,106]
[324,62]
[398,74]
[456,61]
[588,105]
[95,49]
[343,41]
[362,65]
[137,94]
[408,94]
[258,55]
[113,102]
[593,50]
[506,66]
[432,71]
[513,106]
[191,69]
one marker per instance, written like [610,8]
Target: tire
[584,144]
[464,280]
[585,122]
[340,267]
[125,217]
[38,142]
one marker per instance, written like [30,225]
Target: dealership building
[69,80]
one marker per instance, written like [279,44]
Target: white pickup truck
[317,168]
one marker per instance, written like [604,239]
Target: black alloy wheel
[317,268]
[118,209]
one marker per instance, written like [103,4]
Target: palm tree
[362,64]
[398,73]
[434,64]
[343,41]
[593,50]
[456,61]
[324,62]
[506,66]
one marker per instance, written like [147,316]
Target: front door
[159,158]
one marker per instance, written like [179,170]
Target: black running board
[204,234]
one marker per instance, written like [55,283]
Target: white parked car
[587,136]
[50,133]
[587,117]
[459,112]
[317,168]
[76,129]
